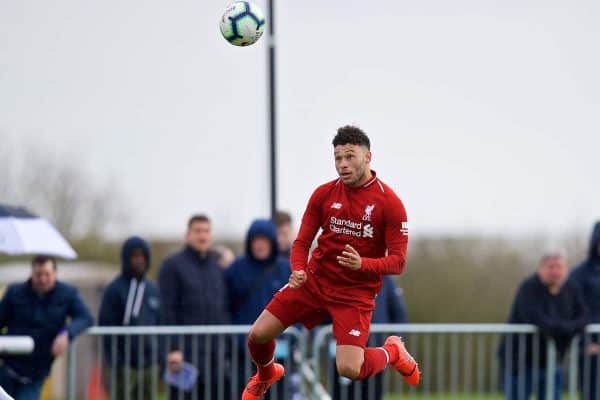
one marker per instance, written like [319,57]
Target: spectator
[587,276]
[253,279]
[193,292]
[40,308]
[285,233]
[389,309]
[556,307]
[131,300]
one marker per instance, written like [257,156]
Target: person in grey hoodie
[131,300]
[587,276]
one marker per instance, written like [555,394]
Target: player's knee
[348,370]
[258,335]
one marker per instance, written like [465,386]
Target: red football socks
[375,361]
[263,355]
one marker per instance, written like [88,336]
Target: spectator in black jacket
[193,292]
[40,308]
[131,300]
[555,306]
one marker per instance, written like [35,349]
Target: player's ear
[368,156]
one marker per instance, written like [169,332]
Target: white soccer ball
[242,23]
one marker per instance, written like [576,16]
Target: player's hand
[350,258]
[175,361]
[60,344]
[297,279]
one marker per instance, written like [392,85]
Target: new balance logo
[404,228]
[354,332]
[368,231]
[337,206]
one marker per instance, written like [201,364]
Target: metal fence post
[71,370]
[573,367]
[550,369]
[319,338]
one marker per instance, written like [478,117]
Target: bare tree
[60,188]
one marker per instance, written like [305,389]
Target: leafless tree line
[61,188]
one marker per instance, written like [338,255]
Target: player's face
[43,277]
[352,162]
[553,271]
[199,236]
[261,248]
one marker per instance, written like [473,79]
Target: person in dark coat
[555,305]
[389,309]
[131,300]
[193,292]
[49,311]
[253,279]
[256,276]
[587,276]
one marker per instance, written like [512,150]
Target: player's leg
[261,342]
[287,307]
[355,361]
[351,327]
[349,360]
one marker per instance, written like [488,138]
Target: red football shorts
[310,305]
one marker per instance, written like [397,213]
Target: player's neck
[368,175]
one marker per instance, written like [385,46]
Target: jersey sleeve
[396,240]
[311,222]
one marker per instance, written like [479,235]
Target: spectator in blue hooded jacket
[49,311]
[131,300]
[587,276]
[254,278]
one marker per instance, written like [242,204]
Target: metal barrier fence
[127,362]
[457,362]
[468,361]
[584,365]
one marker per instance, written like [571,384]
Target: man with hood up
[255,277]
[587,276]
[131,300]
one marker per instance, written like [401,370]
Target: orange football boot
[256,389]
[406,364]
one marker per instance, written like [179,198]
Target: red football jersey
[370,218]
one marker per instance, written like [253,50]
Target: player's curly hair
[350,134]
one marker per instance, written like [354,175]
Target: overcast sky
[484,116]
